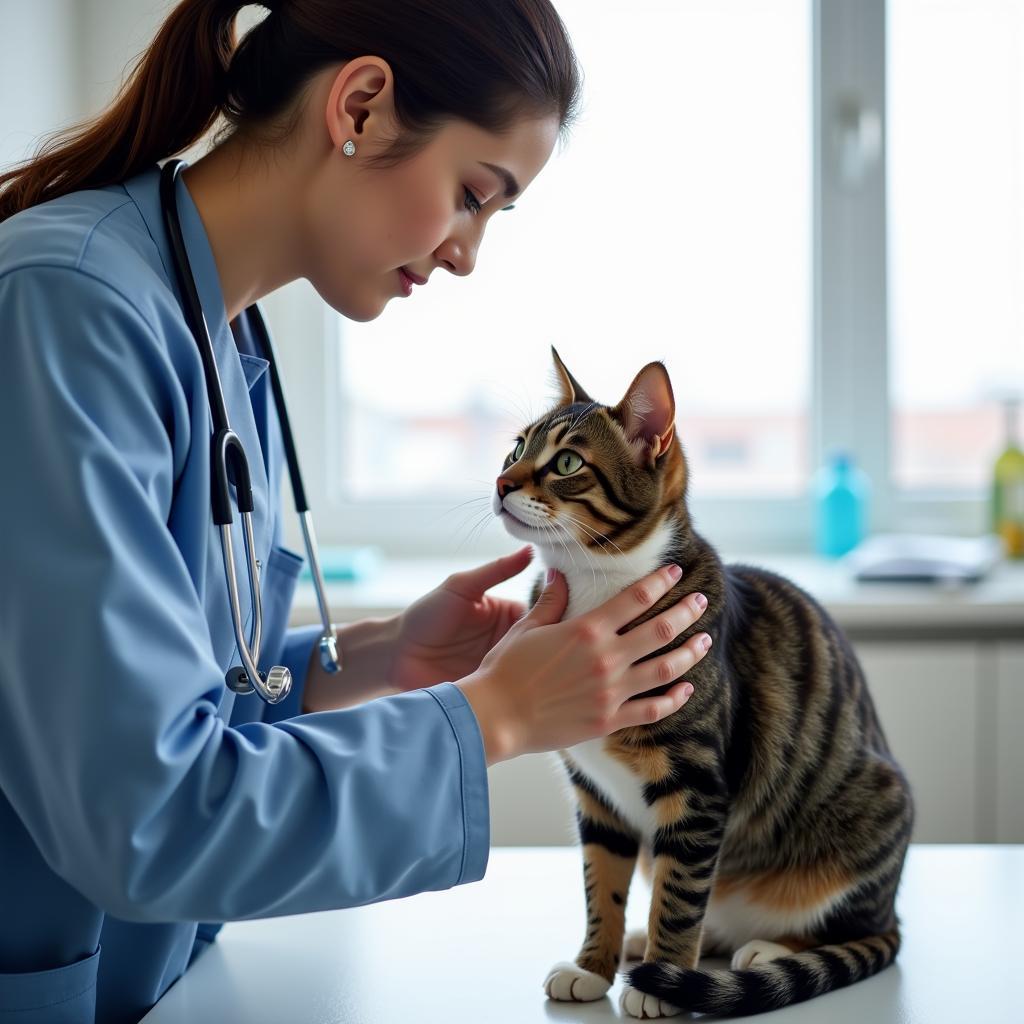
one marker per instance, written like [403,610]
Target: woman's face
[362,224]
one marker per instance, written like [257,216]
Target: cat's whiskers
[461,507]
[586,554]
[456,507]
[520,417]
[482,518]
[590,531]
[579,419]
[550,530]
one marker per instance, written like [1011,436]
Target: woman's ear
[647,412]
[361,103]
[569,389]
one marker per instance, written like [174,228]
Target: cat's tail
[769,986]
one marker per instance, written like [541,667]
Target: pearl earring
[349,149]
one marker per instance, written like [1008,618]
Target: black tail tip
[653,978]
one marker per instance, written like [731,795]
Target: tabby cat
[771,817]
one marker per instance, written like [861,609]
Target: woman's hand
[552,684]
[445,634]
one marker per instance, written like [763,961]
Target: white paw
[635,945]
[757,951]
[572,984]
[640,1004]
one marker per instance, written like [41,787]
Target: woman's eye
[517,452]
[567,462]
[472,203]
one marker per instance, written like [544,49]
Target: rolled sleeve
[476,822]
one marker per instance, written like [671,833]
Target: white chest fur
[592,580]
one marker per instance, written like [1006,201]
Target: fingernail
[702,601]
[550,577]
[687,690]
[675,571]
[705,642]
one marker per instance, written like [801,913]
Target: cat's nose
[505,486]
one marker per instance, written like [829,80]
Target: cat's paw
[757,951]
[570,983]
[635,945]
[640,1004]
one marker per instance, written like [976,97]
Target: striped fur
[768,810]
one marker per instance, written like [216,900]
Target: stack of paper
[919,558]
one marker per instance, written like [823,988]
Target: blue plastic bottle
[842,492]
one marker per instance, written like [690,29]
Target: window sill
[993,607]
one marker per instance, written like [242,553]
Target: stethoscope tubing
[227,452]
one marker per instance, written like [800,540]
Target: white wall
[111,34]
[39,70]
[63,60]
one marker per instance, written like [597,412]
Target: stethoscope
[274,685]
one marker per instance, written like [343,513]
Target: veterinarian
[171,755]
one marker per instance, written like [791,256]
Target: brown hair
[487,62]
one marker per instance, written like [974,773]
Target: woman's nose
[505,485]
[457,256]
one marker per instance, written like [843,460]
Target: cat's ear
[569,388]
[647,412]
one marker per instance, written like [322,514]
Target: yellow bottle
[1008,488]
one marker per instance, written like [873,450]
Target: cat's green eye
[517,453]
[567,462]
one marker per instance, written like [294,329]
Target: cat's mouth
[515,519]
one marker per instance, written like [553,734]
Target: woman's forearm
[366,650]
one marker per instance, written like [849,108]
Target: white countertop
[994,605]
[478,953]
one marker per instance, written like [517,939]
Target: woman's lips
[408,279]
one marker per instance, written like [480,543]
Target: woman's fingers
[655,633]
[667,667]
[638,598]
[652,709]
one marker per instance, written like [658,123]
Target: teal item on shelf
[346,563]
[841,493]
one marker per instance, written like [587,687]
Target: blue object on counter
[842,492]
[346,563]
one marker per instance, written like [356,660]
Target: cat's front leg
[609,855]
[685,851]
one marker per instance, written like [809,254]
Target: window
[956,230]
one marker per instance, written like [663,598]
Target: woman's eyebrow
[511,185]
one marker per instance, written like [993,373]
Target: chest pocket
[277,587]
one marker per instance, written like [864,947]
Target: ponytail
[171,98]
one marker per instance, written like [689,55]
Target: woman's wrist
[366,650]
[495,723]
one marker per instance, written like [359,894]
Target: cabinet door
[531,802]
[1009,771]
[927,695]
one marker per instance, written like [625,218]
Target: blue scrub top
[141,801]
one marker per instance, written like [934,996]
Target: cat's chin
[519,529]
